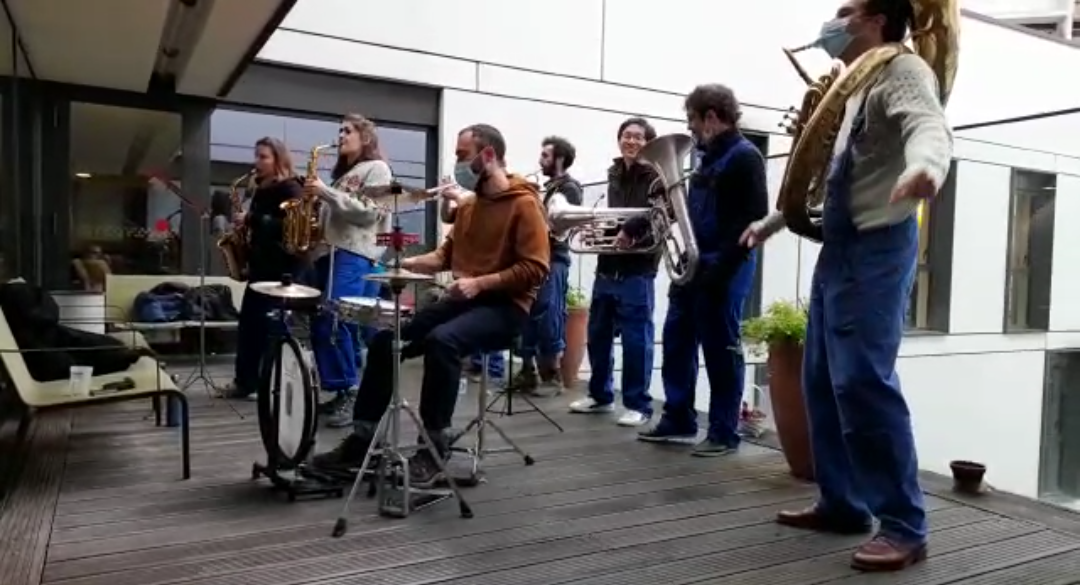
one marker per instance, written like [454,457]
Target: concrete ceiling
[108,140]
[116,44]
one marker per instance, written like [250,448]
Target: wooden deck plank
[26,512]
[598,508]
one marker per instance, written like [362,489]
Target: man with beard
[543,340]
[727,192]
[498,252]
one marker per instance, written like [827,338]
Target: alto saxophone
[302,227]
[235,245]
[814,127]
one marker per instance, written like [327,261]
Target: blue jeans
[336,356]
[624,305]
[496,364]
[712,320]
[545,334]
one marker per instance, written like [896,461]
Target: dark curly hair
[898,14]
[561,148]
[716,98]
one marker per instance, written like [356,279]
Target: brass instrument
[235,245]
[302,224]
[591,231]
[814,127]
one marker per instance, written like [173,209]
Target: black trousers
[443,333]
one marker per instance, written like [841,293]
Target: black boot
[350,453]
[424,472]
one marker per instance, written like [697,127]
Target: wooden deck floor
[100,503]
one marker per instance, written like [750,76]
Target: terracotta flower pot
[967,476]
[789,407]
[577,320]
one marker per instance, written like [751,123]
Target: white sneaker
[590,406]
[633,418]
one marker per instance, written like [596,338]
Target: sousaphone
[935,37]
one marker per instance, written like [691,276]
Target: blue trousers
[336,353]
[545,333]
[624,305]
[496,364]
[711,320]
[860,426]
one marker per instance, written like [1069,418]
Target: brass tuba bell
[593,230]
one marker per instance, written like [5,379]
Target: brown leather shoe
[883,554]
[811,519]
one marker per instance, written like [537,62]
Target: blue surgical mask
[465,176]
[834,38]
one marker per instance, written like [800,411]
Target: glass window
[928,307]
[1031,251]
[125,207]
[234,133]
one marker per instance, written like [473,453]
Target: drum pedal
[302,485]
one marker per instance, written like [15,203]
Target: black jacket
[728,192]
[268,259]
[570,188]
[633,186]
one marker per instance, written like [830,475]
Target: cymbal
[286,291]
[398,276]
[407,195]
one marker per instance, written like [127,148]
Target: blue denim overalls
[864,451]
[696,317]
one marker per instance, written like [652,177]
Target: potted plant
[577,319]
[781,331]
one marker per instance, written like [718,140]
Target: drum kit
[288,395]
[287,400]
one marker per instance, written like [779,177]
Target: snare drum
[365,311]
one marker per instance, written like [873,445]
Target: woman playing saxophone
[350,223]
[275,182]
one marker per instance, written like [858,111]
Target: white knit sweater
[905,133]
[350,222]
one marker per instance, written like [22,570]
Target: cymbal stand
[390,478]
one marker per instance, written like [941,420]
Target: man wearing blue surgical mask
[893,149]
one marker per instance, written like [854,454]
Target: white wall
[579,67]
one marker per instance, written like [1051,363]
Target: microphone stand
[201,373]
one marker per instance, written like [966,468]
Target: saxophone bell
[235,245]
[302,224]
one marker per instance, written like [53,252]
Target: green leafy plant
[782,321]
[575,298]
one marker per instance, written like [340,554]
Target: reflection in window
[1031,250]
[233,134]
[125,213]
[928,306]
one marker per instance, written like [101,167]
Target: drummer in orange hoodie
[499,253]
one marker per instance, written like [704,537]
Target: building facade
[994,303]
[988,365]
[1053,17]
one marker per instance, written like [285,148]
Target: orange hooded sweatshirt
[503,239]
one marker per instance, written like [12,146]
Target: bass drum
[286,405]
